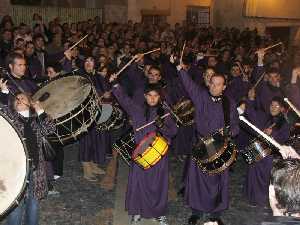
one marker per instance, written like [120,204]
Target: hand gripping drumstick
[269,47]
[292,106]
[134,58]
[153,121]
[268,138]
[73,46]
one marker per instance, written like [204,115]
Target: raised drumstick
[271,46]
[181,56]
[134,58]
[149,52]
[153,121]
[73,46]
[292,106]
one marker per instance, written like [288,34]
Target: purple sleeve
[281,135]
[67,65]
[257,73]
[169,129]
[125,101]
[293,93]
[234,119]
[256,116]
[193,90]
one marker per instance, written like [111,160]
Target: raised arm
[125,101]
[194,91]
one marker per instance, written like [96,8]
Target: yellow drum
[150,150]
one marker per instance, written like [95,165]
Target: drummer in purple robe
[238,86]
[93,145]
[147,190]
[273,124]
[269,87]
[208,193]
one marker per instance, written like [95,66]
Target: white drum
[14,165]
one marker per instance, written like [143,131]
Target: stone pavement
[86,203]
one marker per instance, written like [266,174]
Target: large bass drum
[14,165]
[214,154]
[71,101]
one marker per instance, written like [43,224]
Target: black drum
[184,110]
[256,151]
[111,118]
[14,165]
[125,146]
[214,154]
[72,104]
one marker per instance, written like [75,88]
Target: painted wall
[176,8]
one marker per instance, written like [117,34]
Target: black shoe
[180,193]
[193,219]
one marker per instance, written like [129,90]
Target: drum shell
[22,181]
[214,154]
[114,122]
[70,124]
[125,146]
[256,151]
[150,150]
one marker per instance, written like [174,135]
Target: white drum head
[65,94]
[106,112]
[13,166]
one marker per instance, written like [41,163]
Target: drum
[125,146]
[256,151]
[14,165]
[71,103]
[111,118]
[214,154]
[150,150]
[184,110]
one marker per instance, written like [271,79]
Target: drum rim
[223,167]
[64,76]
[152,133]
[14,203]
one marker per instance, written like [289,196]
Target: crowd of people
[225,73]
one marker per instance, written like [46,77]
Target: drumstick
[292,106]
[134,58]
[153,121]
[259,80]
[242,70]
[181,56]
[269,47]
[149,52]
[124,67]
[73,46]
[268,138]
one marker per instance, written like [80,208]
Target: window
[198,15]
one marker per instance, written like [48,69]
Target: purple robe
[237,89]
[258,174]
[207,193]
[293,94]
[147,190]
[94,145]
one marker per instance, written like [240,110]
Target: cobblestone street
[85,203]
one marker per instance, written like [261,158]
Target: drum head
[65,94]
[106,112]
[144,144]
[13,165]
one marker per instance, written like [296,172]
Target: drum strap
[226,112]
